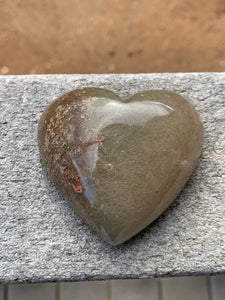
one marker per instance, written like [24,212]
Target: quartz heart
[120,163]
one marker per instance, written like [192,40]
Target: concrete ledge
[41,239]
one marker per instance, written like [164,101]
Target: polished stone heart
[120,163]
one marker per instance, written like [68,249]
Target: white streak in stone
[105,112]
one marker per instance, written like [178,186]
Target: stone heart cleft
[120,163]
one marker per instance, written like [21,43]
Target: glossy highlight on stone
[120,163]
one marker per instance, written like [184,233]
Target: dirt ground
[100,36]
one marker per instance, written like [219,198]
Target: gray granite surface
[42,239]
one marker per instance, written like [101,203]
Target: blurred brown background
[100,36]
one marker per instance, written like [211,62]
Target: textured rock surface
[120,163]
[42,239]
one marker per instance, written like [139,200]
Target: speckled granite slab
[43,240]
